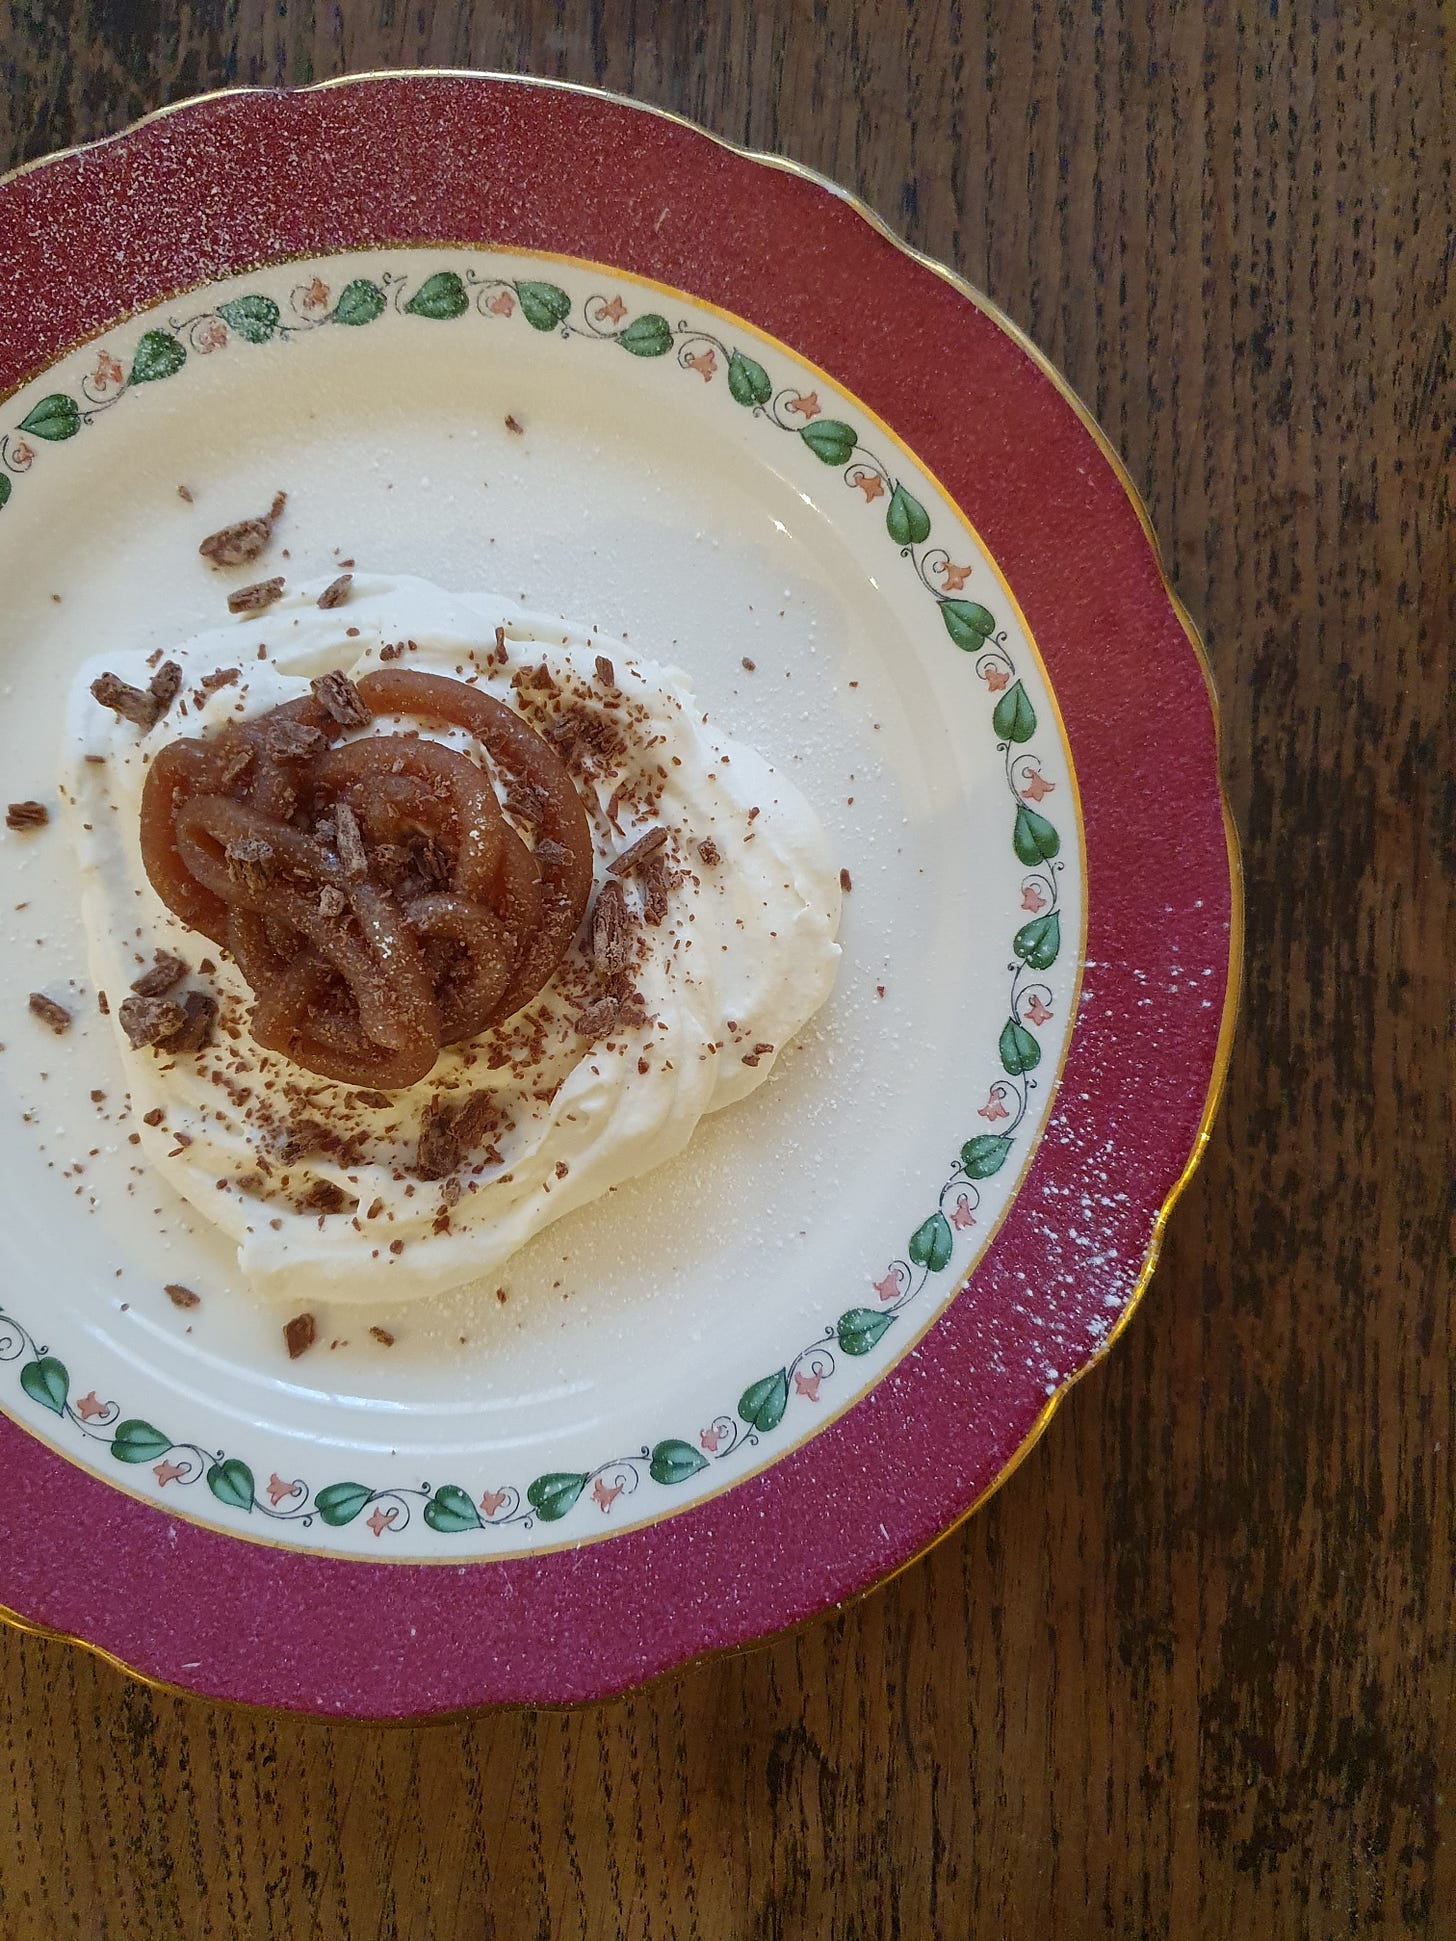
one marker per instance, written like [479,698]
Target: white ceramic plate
[645,498]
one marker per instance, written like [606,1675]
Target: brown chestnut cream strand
[371,891]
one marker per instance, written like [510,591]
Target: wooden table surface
[1190,1673]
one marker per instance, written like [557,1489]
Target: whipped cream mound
[320,1186]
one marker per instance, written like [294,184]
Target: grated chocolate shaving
[150,1020]
[382,1336]
[332,901]
[606,673]
[640,852]
[336,592]
[27,815]
[240,544]
[299,1335]
[133,704]
[253,599]
[514,425]
[181,1296]
[49,1012]
[844,882]
[337,696]
[709,851]
[166,971]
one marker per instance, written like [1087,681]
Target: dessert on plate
[422,920]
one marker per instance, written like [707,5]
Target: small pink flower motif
[955,577]
[1036,787]
[169,1472]
[871,485]
[993,1110]
[492,1503]
[316,296]
[808,1385]
[888,1289]
[212,336]
[1032,899]
[704,363]
[502,304]
[807,405]
[961,1215]
[1036,1012]
[107,372]
[88,1408]
[379,1518]
[710,1438]
[603,1497]
[21,456]
[995,678]
[278,1489]
[615,310]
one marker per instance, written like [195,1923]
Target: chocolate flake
[438,1153]
[199,1017]
[133,704]
[290,741]
[249,860]
[640,853]
[337,696]
[299,1335]
[350,844]
[709,851]
[598,1019]
[382,1336]
[240,544]
[219,677]
[470,1122]
[332,901]
[844,882]
[150,1020]
[49,1012]
[654,891]
[181,1296]
[27,815]
[606,673]
[324,1196]
[164,684]
[336,592]
[514,425]
[253,599]
[154,1117]
[184,494]
[611,941]
[166,971]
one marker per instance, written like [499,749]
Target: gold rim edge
[1223,1049]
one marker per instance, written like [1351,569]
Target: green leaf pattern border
[447,1508]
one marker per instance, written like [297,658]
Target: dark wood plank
[1190,1673]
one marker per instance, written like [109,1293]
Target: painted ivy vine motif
[448,1508]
